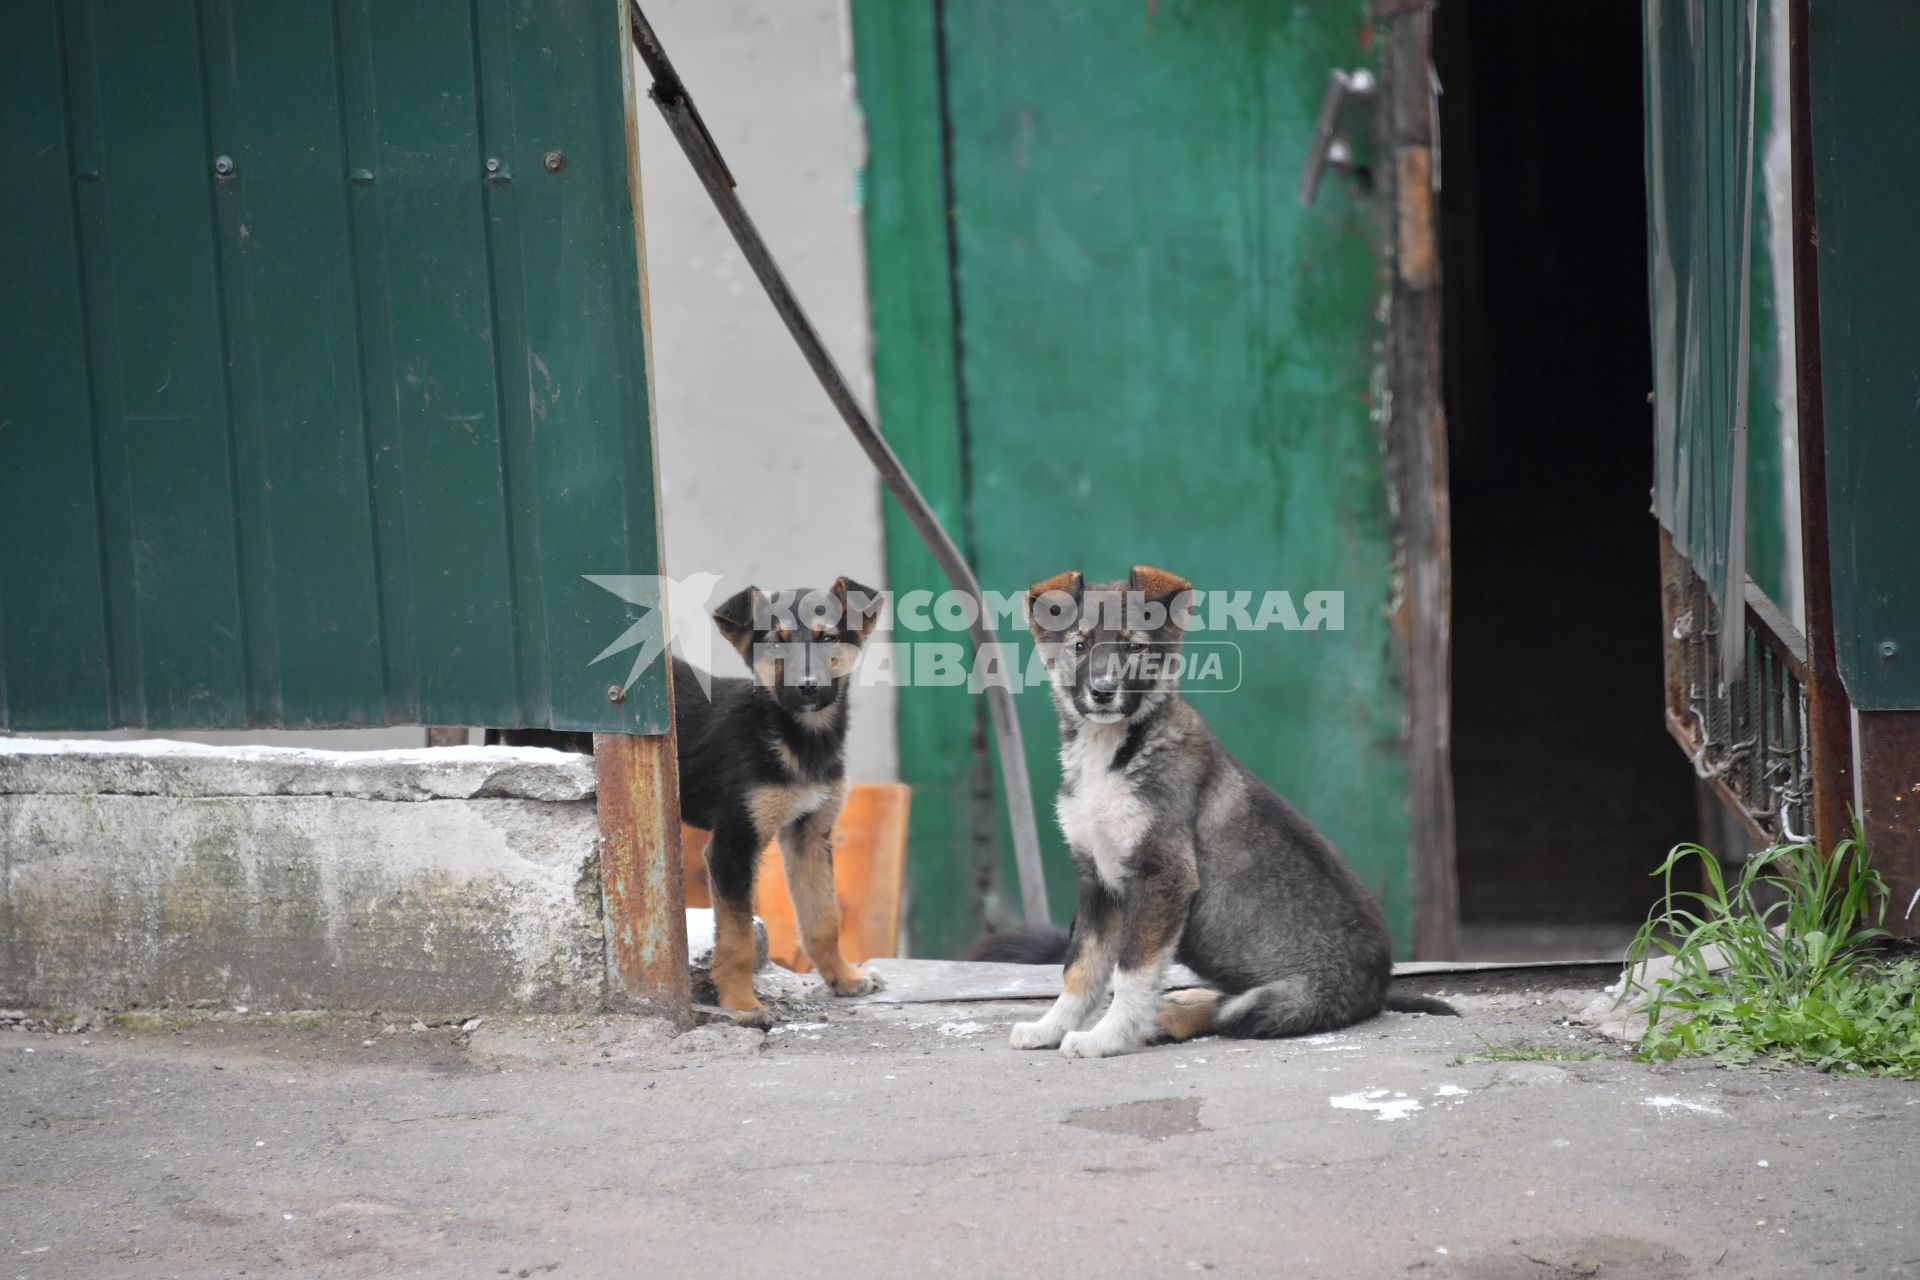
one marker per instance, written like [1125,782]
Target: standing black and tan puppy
[765,759]
[1183,853]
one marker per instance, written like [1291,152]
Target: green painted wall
[1699,86]
[1864,96]
[897,67]
[1769,522]
[332,437]
[1106,333]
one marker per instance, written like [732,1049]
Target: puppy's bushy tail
[1046,944]
[1291,1007]
[1397,1003]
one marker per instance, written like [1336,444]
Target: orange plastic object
[869,868]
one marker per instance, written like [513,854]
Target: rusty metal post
[1890,810]
[1830,728]
[642,890]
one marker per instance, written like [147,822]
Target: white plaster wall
[760,482]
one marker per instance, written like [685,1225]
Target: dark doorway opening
[1568,791]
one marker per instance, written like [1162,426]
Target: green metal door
[1107,333]
[1863,98]
[322,376]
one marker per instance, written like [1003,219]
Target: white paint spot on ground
[1386,1104]
[1449,1091]
[961,1029]
[1330,1043]
[1665,1103]
[798,1028]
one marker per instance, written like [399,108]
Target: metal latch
[1331,150]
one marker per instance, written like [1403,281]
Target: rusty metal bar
[1829,714]
[683,120]
[637,794]
[1675,620]
[641,885]
[1890,810]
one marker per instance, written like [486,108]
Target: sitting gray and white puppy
[1183,853]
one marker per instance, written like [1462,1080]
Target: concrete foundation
[428,883]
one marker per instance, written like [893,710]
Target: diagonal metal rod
[683,120]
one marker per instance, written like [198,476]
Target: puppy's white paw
[1097,1043]
[1035,1035]
[857,982]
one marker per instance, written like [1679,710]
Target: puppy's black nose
[1104,681]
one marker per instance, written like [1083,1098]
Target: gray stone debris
[1625,1019]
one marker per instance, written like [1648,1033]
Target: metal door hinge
[1331,149]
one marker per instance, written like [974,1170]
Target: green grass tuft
[1490,1052]
[1802,977]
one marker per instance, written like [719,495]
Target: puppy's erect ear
[735,617]
[1157,584]
[1169,590]
[1054,605]
[859,606]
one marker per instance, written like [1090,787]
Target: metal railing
[1748,736]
